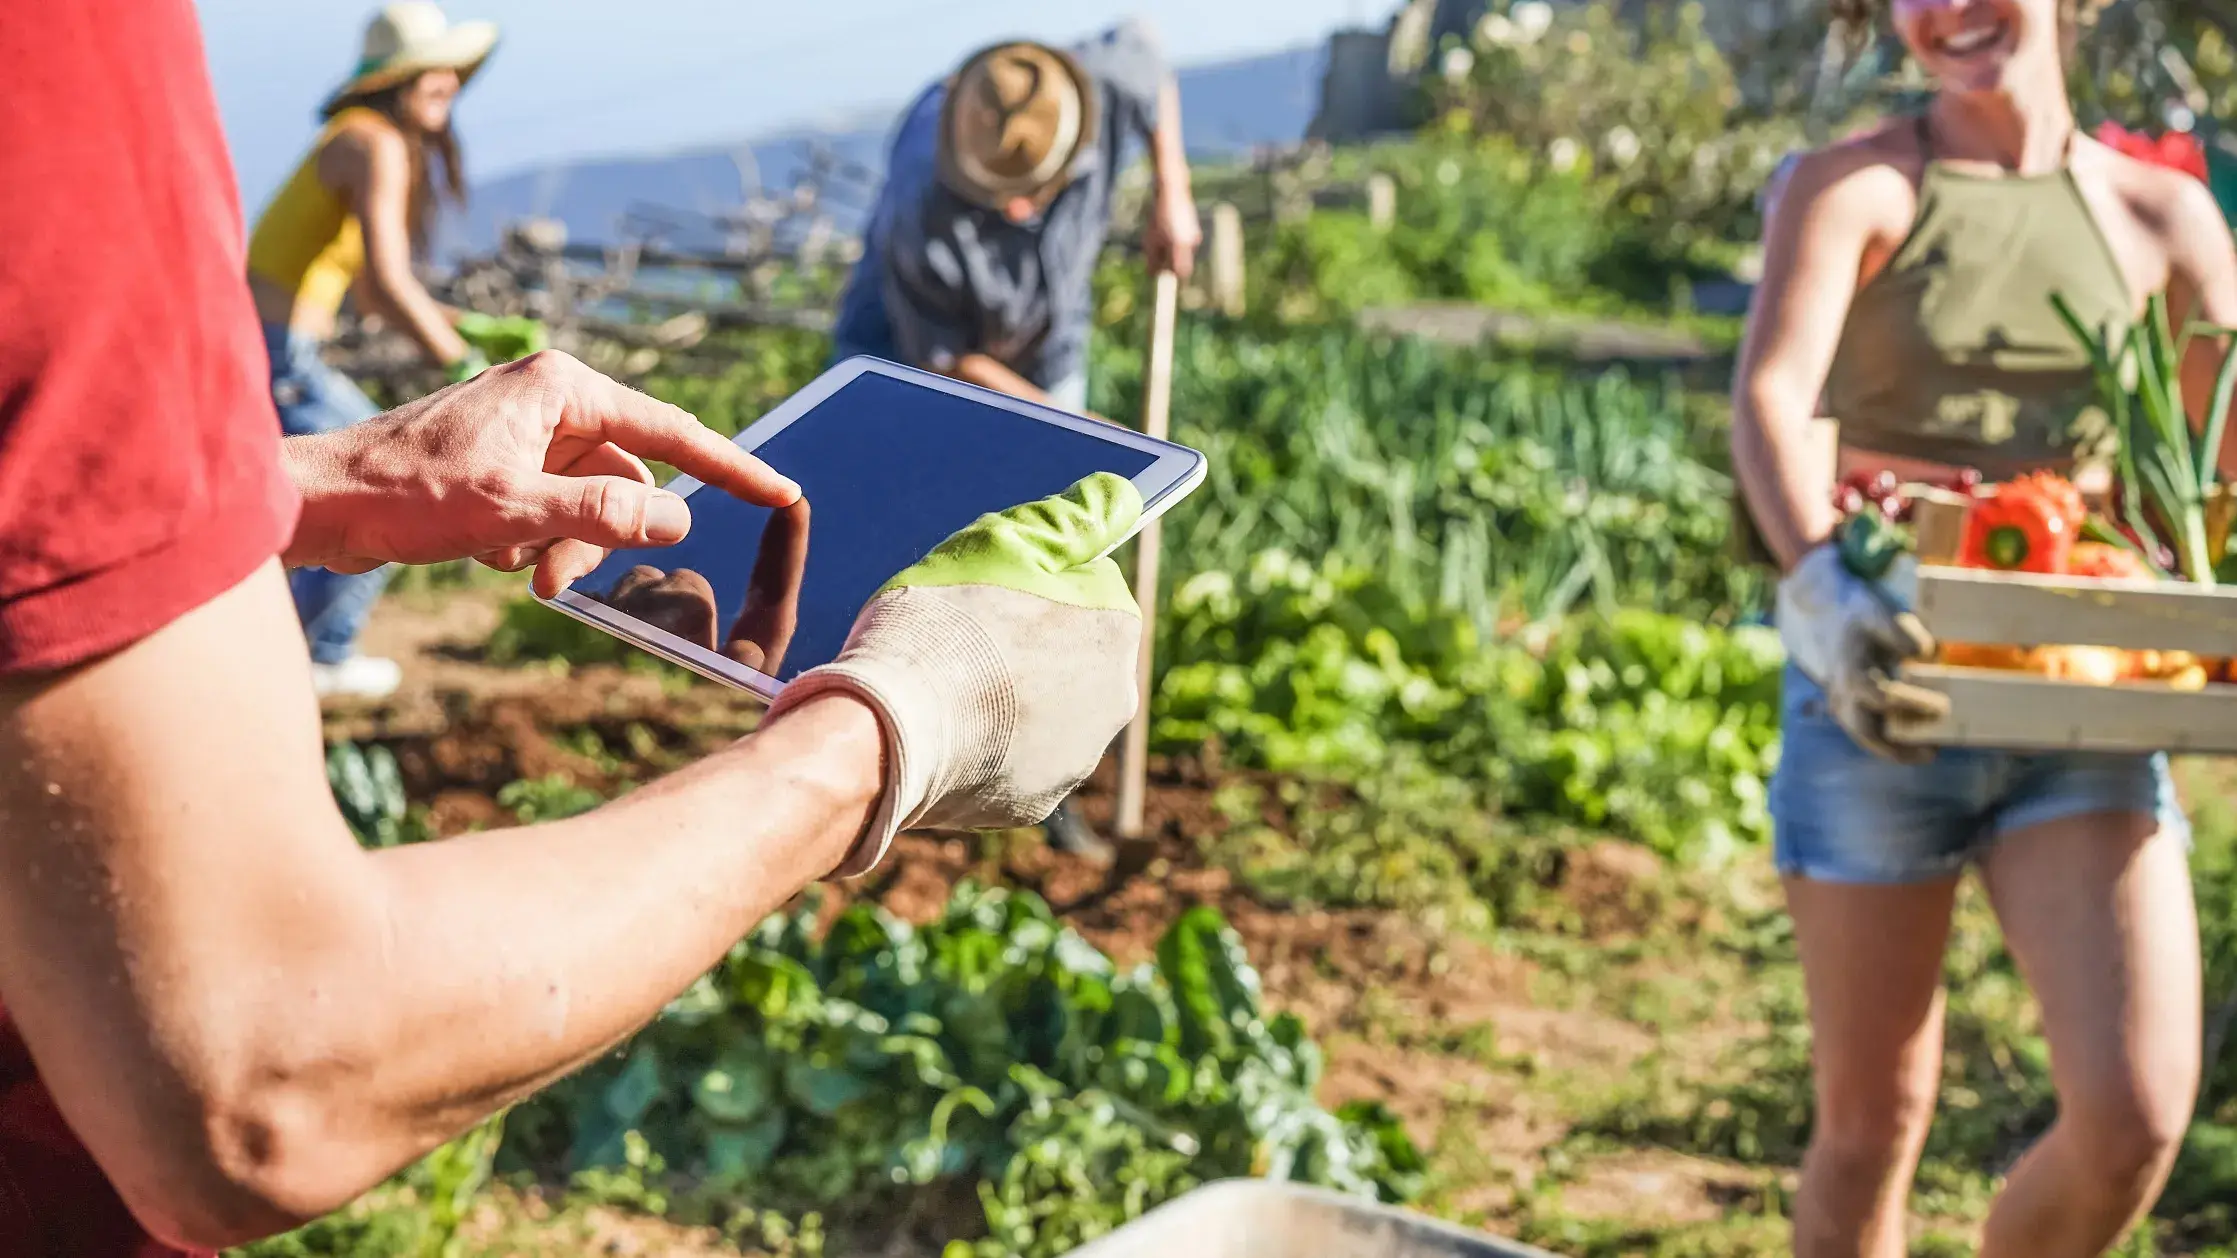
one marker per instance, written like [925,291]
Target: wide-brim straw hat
[409,39]
[1016,118]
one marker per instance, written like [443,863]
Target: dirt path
[1585,340]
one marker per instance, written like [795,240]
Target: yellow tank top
[307,241]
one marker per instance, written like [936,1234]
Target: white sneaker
[358,677]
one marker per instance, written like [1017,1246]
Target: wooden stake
[1382,202]
[1157,399]
[1226,260]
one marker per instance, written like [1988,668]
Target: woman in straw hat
[352,218]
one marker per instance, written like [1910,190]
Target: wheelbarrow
[1265,1218]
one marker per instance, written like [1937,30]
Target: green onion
[2167,472]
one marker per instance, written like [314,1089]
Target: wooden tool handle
[1157,400]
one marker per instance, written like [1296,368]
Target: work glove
[1848,635]
[502,338]
[1000,667]
[474,364]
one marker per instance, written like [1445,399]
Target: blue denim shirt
[940,278]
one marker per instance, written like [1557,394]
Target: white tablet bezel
[1176,472]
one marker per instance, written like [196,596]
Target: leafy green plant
[752,373]
[1654,726]
[369,790]
[1472,482]
[1476,221]
[994,1047]
[554,797]
[529,632]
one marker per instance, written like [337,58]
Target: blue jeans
[314,398]
[1841,814]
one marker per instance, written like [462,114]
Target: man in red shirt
[221,1016]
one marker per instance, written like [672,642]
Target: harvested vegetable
[2048,514]
[2011,659]
[2089,665]
[1869,543]
[1892,497]
[2167,473]
[2026,525]
[2104,561]
[2180,669]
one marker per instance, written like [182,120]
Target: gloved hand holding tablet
[891,462]
[947,564]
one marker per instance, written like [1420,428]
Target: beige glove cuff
[943,696]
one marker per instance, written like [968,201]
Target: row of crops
[1478,600]
[868,1066]
[1447,560]
[1506,574]
[994,1047]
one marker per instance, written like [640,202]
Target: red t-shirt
[139,452]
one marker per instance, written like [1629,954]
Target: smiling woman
[1863,15]
[1907,290]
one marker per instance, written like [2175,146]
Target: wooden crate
[2022,712]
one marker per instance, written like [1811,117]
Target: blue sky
[576,77]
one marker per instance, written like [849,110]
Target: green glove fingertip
[1086,520]
[474,364]
[502,337]
[1048,548]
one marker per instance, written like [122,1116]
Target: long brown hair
[438,163]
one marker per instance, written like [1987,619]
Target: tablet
[890,462]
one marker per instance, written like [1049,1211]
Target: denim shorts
[1841,814]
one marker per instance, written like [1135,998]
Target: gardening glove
[1848,635]
[502,338]
[474,364]
[1000,667]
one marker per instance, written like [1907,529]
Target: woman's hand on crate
[1849,635]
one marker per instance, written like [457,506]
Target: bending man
[981,252]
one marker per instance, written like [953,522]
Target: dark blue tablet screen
[888,469]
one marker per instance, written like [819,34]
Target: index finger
[600,409]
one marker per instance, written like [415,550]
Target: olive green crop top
[1954,353]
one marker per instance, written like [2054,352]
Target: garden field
[1462,732]
[1456,892]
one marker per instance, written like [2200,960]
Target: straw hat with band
[1017,117]
[408,39]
